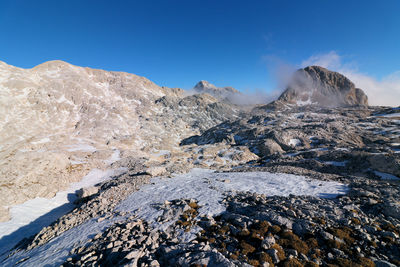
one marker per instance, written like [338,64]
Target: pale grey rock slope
[60,120]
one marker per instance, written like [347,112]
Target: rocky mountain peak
[227,93]
[204,85]
[319,86]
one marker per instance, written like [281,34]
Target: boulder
[87,192]
[269,147]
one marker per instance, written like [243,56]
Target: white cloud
[329,60]
[383,92]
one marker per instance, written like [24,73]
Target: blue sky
[177,43]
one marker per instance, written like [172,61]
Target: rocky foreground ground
[355,146]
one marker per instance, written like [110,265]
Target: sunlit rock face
[60,120]
[319,86]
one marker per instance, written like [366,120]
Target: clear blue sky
[177,43]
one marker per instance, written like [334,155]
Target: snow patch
[386,176]
[336,163]
[303,103]
[294,142]
[116,155]
[388,115]
[41,141]
[204,185]
[81,147]
[207,187]
[29,215]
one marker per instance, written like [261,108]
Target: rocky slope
[359,228]
[295,185]
[60,121]
[318,86]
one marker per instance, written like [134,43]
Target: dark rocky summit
[319,86]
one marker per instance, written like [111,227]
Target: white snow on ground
[336,163]
[386,176]
[303,103]
[81,147]
[304,151]
[294,142]
[42,141]
[55,252]
[114,157]
[390,115]
[160,153]
[209,188]
[30,217]
[206,186]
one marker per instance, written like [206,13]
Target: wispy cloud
[383,92]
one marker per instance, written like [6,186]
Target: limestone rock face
[319,86]
[59,121]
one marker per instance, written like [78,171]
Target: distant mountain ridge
[226,93]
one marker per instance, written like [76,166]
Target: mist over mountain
[319,86]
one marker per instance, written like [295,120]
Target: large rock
[269,147]
[319,86]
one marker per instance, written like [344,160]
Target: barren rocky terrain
[311,179]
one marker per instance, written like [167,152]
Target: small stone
[339,252]
[303,257]
[326,235]
[268,242]
[154,263]
[87,192]
[118,243]
[135,254]
[274,255]
[292,252]
[372,201]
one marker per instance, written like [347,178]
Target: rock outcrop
[318,86]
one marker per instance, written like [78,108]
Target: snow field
[205,186]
